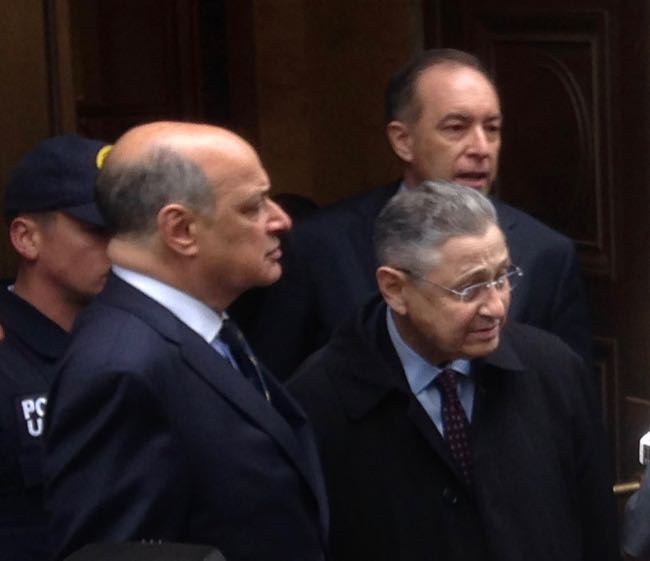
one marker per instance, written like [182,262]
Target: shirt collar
[419,372]
[192,312]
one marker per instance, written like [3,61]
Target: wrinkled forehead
[453,84]
[466,253]
[234,168]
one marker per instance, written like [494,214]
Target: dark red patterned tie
[454,422]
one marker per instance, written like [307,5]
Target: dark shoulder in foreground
[538,348]
[109,337]
[557,367]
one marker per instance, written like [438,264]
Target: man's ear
[391,284]
[26,237]
[400,140]
[177,228]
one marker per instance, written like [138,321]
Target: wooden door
[133,62]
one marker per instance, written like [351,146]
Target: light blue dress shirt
[420,375]
[192,312]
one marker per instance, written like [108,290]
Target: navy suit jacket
[153,435]
[330,269]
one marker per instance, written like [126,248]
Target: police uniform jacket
[28,355]
[541,491]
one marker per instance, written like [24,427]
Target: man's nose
[279,220]
[479,142]
[495,304]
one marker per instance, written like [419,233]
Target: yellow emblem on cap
[101,155]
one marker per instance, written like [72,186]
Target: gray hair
[415,223]
[129,196]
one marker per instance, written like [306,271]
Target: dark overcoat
[541,488]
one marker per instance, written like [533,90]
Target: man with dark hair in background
[162,425]
[57,233]
[444,123]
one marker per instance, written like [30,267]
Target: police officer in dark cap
[57,233]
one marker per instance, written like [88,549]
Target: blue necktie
[241,352]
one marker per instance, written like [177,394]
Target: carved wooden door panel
[573,79]
[133,62]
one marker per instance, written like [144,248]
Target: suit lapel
[416,413]
[490,423]
[360,231]
[509,223]
[308,458]
[282,420]
[505,214]
[518,246]
[360,397]
[430,433]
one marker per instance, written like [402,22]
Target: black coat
[28,354]
[541,486]
[153,435]
[330,272]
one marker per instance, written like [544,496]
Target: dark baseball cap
[58,174]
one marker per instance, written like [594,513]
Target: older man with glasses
[444,433]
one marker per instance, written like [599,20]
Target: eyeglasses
[474,292]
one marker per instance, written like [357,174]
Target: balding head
[185,139]
[159,163]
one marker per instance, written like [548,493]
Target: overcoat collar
[361,230]
[373,373]
[506,214]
